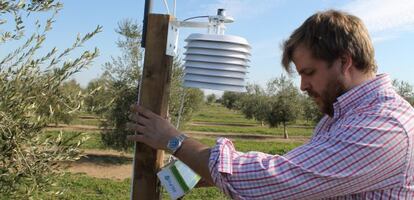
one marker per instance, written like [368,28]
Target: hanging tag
[178,179]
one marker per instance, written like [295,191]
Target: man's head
[332,52]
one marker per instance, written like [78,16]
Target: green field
[213,118]
[218,114]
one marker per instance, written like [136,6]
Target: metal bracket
[172,38]
[214,26]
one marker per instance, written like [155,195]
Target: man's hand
[151,129]
[155,131]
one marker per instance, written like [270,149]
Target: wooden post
[154,95]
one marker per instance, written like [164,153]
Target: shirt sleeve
[365,153]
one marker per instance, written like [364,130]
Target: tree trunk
[285,133]
[262,123]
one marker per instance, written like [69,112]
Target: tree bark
[285,133]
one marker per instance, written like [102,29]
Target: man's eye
[309,73]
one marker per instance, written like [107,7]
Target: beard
[328,96]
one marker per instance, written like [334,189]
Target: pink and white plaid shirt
[365,151]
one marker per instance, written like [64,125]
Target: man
[361,149]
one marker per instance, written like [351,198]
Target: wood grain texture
[155,91]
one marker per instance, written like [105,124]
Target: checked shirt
[365,151]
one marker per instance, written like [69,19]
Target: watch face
[173,143]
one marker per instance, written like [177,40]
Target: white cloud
[382,16]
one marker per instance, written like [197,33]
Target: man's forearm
[196,155]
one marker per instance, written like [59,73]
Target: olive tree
[311,112]
[255,103]
[29,82]
[284,103]
[231,100]
[210,99]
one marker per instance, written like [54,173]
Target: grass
[90,120]
[216,113]
[251,130]
[81,186]
[279,148]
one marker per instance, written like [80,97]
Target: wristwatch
[175,143]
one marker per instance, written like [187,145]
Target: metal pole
[147,10]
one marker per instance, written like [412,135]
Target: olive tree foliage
[31,81]
[189,98]
[117,89]
[231,100]
[70,94]
[101,95]
[405,90]
[210,99]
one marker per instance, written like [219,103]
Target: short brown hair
[329,35]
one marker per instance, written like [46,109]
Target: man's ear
[346,62]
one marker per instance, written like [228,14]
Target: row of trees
[278,104]
[281,102]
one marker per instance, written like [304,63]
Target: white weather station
[213,60]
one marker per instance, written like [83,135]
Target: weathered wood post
[155,90]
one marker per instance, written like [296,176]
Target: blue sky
[265,24]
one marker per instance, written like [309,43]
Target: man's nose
[304,85]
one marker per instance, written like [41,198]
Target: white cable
[135,144]
[175,6]
[180,112]
[166,6]
[171,158]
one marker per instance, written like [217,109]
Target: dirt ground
[103,164]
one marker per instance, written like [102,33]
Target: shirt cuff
[221,165]
[221,156]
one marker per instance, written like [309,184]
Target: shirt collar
[359,94]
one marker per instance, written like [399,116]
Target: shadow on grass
[104,159]
[197,123]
